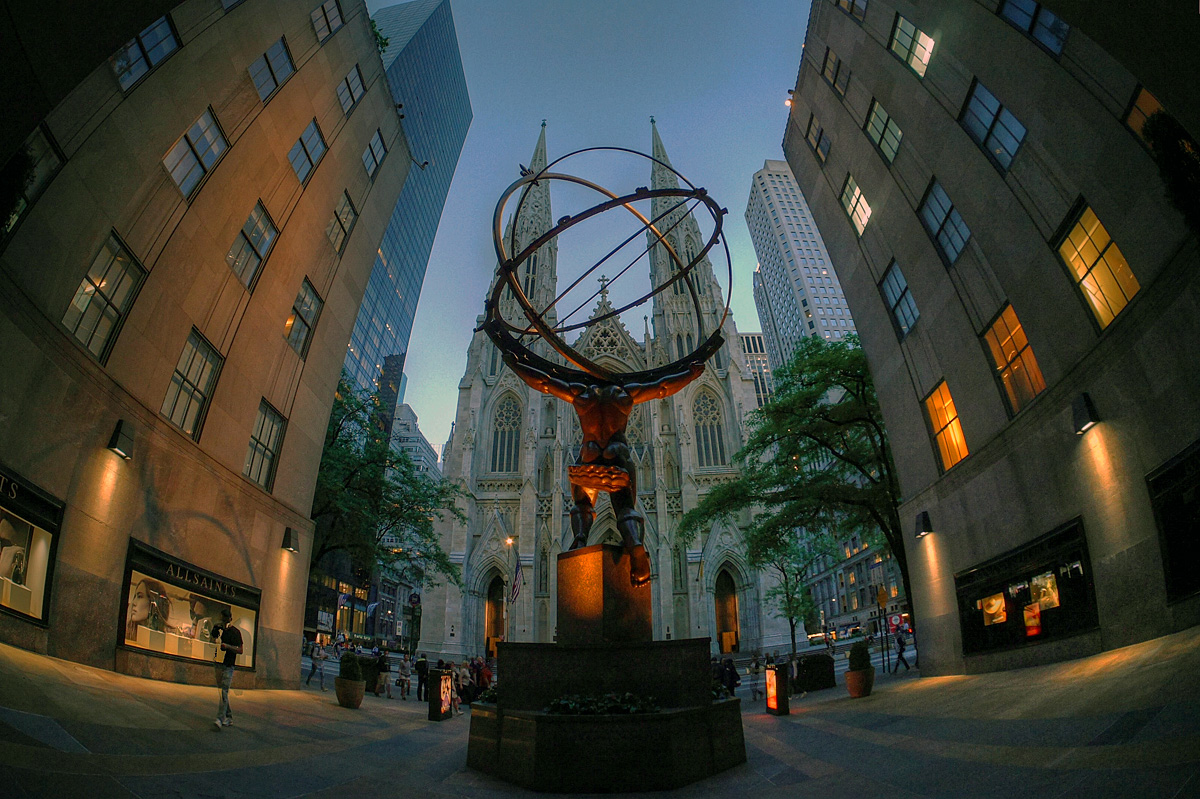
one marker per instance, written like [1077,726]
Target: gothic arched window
[530,275]
[679,350]
[544,572]
[710,438]
[506,435]
[494,364]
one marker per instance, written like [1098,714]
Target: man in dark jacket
[422,669]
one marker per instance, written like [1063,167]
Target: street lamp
[508,542]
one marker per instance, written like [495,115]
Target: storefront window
[1037,592]
[1175,497]
[171,607]
[29,520]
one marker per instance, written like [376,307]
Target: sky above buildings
[713,73]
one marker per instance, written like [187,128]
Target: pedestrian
[454,690]
[466,684]
[422,669]
[384,667]
[770,659]
[753,671]
[730,676]
[229,646]
[404,680]
[901,644]
[485,675]
[319,656]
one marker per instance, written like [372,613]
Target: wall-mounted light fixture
[291,541]
[1083,413]
[788,101]
[122,439]
[924,527]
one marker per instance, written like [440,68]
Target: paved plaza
[1122,723]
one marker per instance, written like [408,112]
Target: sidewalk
[1124,723]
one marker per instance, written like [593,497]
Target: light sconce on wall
[1083,413]
[924,527]
[122,440]
[291,541]
[788,101]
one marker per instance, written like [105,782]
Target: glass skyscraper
[425,75]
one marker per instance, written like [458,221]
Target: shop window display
[1038,592]
[28,523]
[1175,496]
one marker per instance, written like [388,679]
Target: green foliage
[381,41]
[817,468]
[1178,159]
[719,691]
[602,705]
[15,177]
[371,502]
[490,695]
[351,668]
[860,656]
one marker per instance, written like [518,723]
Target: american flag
[518,581]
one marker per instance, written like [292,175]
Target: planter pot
[860,683]
[349,692]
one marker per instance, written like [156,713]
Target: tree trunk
[792,624]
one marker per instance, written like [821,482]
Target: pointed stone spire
[539,152]
[660,176]
[539,273]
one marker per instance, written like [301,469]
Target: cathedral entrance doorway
[494,629]
[726,601]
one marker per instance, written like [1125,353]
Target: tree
[1178,159]
[817,466]
[371,502]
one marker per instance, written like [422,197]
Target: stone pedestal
[596,602]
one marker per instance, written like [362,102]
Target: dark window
[506,436]
[1036,22]
[307,151]
[351,89]
[271,69]
[252,245]
[855,8]
[192,385]
[817,139]
[344,217]
[372,157]
[943,223]
[899,300]
[326,19]
[47,161]
[196,152]
[1175,498]
[303,318]
[144,52]
[104,297]
[992,126]
[883,131]
[262,454]
[836,72]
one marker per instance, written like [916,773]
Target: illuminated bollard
[778,690]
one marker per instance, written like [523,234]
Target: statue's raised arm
[540,381]
[643,392]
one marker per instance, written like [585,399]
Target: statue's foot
[639,566]
[578,542]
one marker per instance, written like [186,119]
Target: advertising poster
[1043,590]
[993,610]
[1033,620]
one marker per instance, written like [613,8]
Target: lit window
[947,430]
[307,151]
[1013,357]
[303,318]
[103,298]
[271,69]
[855,204]
[1145,105]
[143,52]
[899,300]
[326,19]
[350,90]
[192,385]
[855,8]
[943,222]
[506,436]
[196,152]
[344,217]
[251,246]
[817,139]
[1099,268]
[265,441]
[883,131]
[836,72]
[1032,19]
[912,45]
[710,439]
[372,157]
[992,126]
[45,162]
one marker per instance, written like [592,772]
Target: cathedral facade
[511,445]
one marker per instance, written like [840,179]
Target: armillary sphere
[514,336]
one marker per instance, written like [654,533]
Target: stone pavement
[1123,723]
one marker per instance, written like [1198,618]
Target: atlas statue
[602,399]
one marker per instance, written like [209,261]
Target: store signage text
[189,576]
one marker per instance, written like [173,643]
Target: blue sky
[713,74]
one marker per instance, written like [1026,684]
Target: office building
[755,350]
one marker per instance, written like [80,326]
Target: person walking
[404,680]
[753,671]
[319,656]
[385,666]
[229,646]
[422,669]
[730,676]
[901,645]
[466,680]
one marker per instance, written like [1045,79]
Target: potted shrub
[349,683]
[860,679]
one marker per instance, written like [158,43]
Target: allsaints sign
[184,575]
[157,563]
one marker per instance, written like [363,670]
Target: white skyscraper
[795,288]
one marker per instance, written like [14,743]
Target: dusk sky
[713,73]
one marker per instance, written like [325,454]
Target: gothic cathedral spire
[538,275]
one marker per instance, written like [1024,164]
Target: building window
[192,385]
[992,126]
[506,436]
[46,162]
[947,430]
[710,438]
[303,318]
[883,131]
[103,298]
[817,139]
[196,152]
[252,245]
[855,8]
[265,441]
[530,280]
[1036,22]
[344,217]
[912,45]
[307,151]
[326,19]
[836,72]
[943,223]
[372,157]
[1099,268]
[1013,358]
[271,69]
[899,300]
[855,204]
[350,90]
[1144,106]
[143,52]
